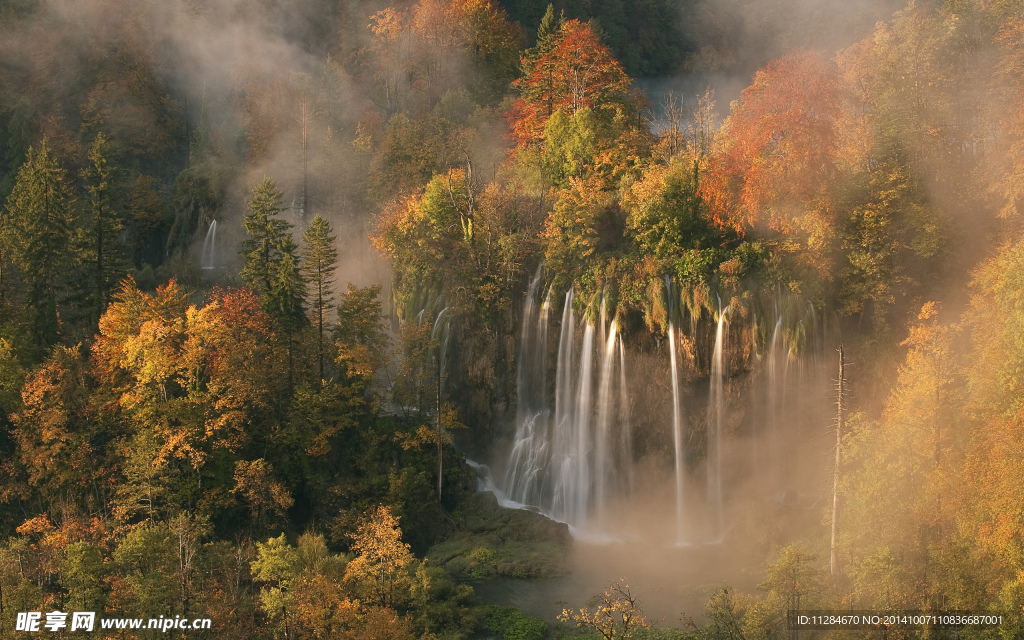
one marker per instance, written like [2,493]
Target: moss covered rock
[493,541]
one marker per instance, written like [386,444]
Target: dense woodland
[262,443]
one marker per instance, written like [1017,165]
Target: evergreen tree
[286,299]
[547,34]
[272,264]
[262,250]
[320,259]
[36,231]
[108,252]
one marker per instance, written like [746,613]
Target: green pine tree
[286,299]
[548,33]
[267,232]
[108,262]
[272,267]
[36,232]
[320,260]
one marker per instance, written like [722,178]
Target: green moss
[492,541]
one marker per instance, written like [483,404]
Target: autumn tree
[58,449]
[379,569]
[892,236]
[665,214]
[232,365]
[492,40]
[391,49]
[993,464]
[617,614]
[907,463]
[571,233]
[267,498]
[360,336]
[578,72]
[774,164]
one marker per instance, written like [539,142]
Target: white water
[529,453]
[677,438]
[716,416]
[603,468]
[566,461]
[572,456]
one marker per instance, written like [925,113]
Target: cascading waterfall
[530,450]
[716,416]
[566,462]
[564,453]
[575,491]
[208,259]
[573,455]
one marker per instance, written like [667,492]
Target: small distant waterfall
[208,259]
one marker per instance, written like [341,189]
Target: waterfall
[603,462]
[716,416]
[530,447]
[208,259]
[677,434]
[565,462]
[572,454]
[577,493]
[627,429]
[677,419]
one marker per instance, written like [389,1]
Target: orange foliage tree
[579,72]
[775,157]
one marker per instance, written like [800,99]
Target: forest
[349,319]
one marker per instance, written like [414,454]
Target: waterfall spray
[528,460]
[627,430]
[603,465]
[581,496]
[563,446]
[716,416]
[677,420]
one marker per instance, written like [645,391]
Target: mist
[620,312]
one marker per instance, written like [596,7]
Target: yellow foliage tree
[379,571]
[616,614]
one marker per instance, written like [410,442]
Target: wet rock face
[493,541]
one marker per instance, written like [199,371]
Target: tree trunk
[835,472]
